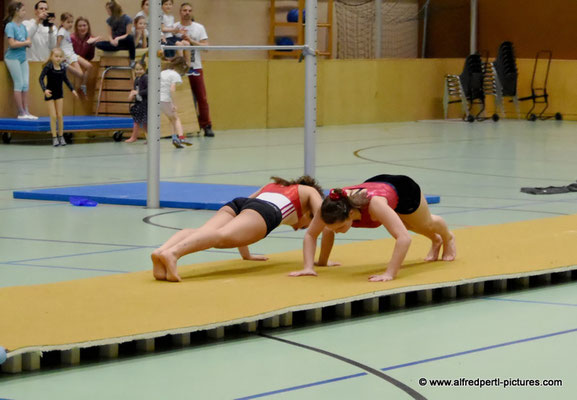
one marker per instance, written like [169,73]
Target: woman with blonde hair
[51,79]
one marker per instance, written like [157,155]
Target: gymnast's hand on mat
[246,255]
[328,264]
[252,257]
[381,278]
[304,272]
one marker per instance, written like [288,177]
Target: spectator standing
[169,78]
[195,34]
[52,78]
[42,33]
[139,98]
[15,57]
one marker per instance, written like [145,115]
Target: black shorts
[57,93]
[407,189]
[269,212]
[171,41]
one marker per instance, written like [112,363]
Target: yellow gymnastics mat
[119,308]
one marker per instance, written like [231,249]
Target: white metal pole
[378,28]
[239,47]
[473,41]
[153,178]
[310,86]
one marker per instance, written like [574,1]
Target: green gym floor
[477,169]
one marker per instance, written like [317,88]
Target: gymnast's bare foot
[169,261]
[158,268]
[450,249]
[130,140]
[435,249]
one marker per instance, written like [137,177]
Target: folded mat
[119,308]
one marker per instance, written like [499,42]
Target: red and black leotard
[286,198]
[373,189]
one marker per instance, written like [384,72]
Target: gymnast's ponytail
[303,180]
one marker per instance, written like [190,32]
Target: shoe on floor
[208,131]
[176,143]
[61,141]
[184,141]
[55,142]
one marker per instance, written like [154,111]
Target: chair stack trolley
[539,94]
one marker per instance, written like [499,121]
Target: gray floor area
[477,169]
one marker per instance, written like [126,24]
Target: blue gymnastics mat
[198,196]
[71,123]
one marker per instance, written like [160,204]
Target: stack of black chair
[472,78]
[506,68]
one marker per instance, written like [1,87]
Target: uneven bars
[309,52]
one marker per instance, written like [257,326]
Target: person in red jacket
[392,201]
[243,221]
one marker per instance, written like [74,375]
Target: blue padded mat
[198,196]
[71,123]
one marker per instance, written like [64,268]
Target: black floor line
[148,220]
[411,392]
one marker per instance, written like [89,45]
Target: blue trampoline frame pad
[71,123]
[198,196]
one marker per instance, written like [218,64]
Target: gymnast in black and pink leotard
[392,201]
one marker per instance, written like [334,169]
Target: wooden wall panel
[531,26]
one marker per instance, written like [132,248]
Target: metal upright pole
[153,179]
[473,41]
[425,21]
[310,86]
[378,28]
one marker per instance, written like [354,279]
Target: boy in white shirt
[169,78]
